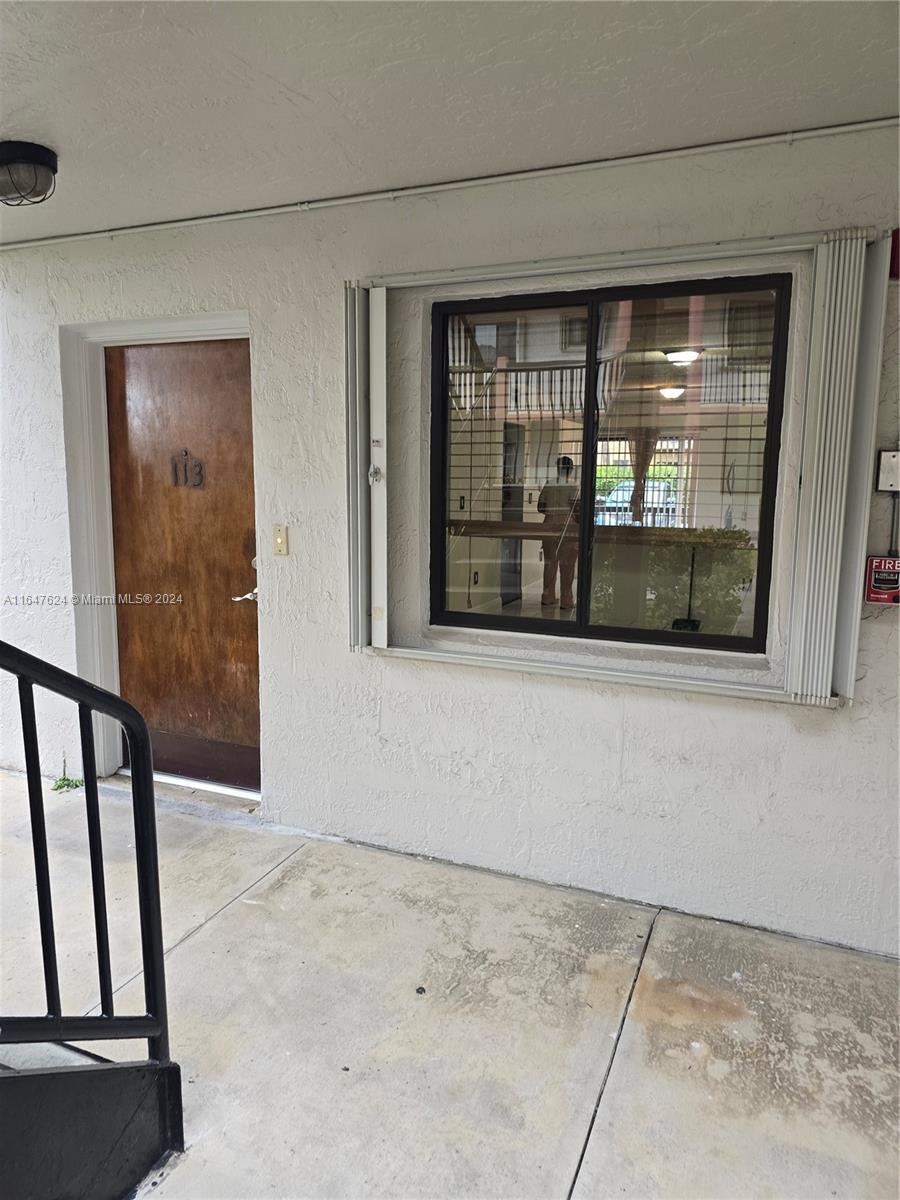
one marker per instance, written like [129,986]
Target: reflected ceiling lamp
[27,173]
[671,393]
[682,358]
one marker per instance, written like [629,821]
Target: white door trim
[83,376]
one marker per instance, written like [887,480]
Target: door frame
[83,376]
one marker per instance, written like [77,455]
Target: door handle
[249,596]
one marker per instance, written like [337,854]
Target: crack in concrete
[612,1057]
[206,920]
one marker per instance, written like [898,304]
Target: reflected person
[559,503]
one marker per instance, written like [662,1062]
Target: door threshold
[198,785]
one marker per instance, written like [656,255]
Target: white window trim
[828,534]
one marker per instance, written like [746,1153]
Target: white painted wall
[757,812]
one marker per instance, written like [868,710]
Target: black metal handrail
[54,1026]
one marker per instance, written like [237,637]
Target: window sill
[604,674]
[624,658]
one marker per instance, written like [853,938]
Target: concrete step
[30,1056]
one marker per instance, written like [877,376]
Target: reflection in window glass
[665,532]
[515,392]
[683,396]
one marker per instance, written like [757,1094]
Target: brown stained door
[181,473]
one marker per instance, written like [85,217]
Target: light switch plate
[888,471]
[280,539]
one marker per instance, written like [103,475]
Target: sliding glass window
[643,515]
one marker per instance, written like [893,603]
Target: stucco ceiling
[168,110]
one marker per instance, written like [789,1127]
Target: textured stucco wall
[758,812]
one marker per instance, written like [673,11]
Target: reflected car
[660,505]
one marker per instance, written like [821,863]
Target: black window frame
[593,299]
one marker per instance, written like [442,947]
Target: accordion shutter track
[837,299]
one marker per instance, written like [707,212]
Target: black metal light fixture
[27,173]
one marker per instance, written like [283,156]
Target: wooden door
[181,474]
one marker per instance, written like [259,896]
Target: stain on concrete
[284,878]
[577,954]
[773,1025]
[683,1003]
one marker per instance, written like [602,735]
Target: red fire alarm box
[882,580]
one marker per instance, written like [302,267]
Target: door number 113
[187,471]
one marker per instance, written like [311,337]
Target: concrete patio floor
[355,1023]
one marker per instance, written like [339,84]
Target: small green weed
[63,783]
